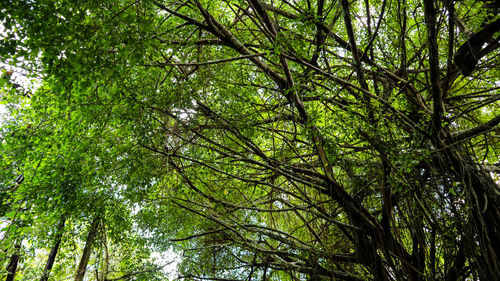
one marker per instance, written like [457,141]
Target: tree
[13,263]
[82,266]
[277,140]
[53,251]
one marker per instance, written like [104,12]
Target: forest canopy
[250,140]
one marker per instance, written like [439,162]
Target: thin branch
[209,62]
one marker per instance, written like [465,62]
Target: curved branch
[465,134]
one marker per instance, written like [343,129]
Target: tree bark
[82,267]
[53,252]
[14,260]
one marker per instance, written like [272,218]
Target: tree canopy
[256,139]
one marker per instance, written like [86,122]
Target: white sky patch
[28,79]
[3,113]
[170,259]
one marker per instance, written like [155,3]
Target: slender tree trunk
[14,260]
[106,265]
[53,252]
[82,267]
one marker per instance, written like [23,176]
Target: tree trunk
[53,252]
[12,266]
[82,267]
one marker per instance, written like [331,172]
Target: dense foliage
[257,139]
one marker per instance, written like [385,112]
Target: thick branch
[355,54]
[430,21]
[260,9]
[465,134]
